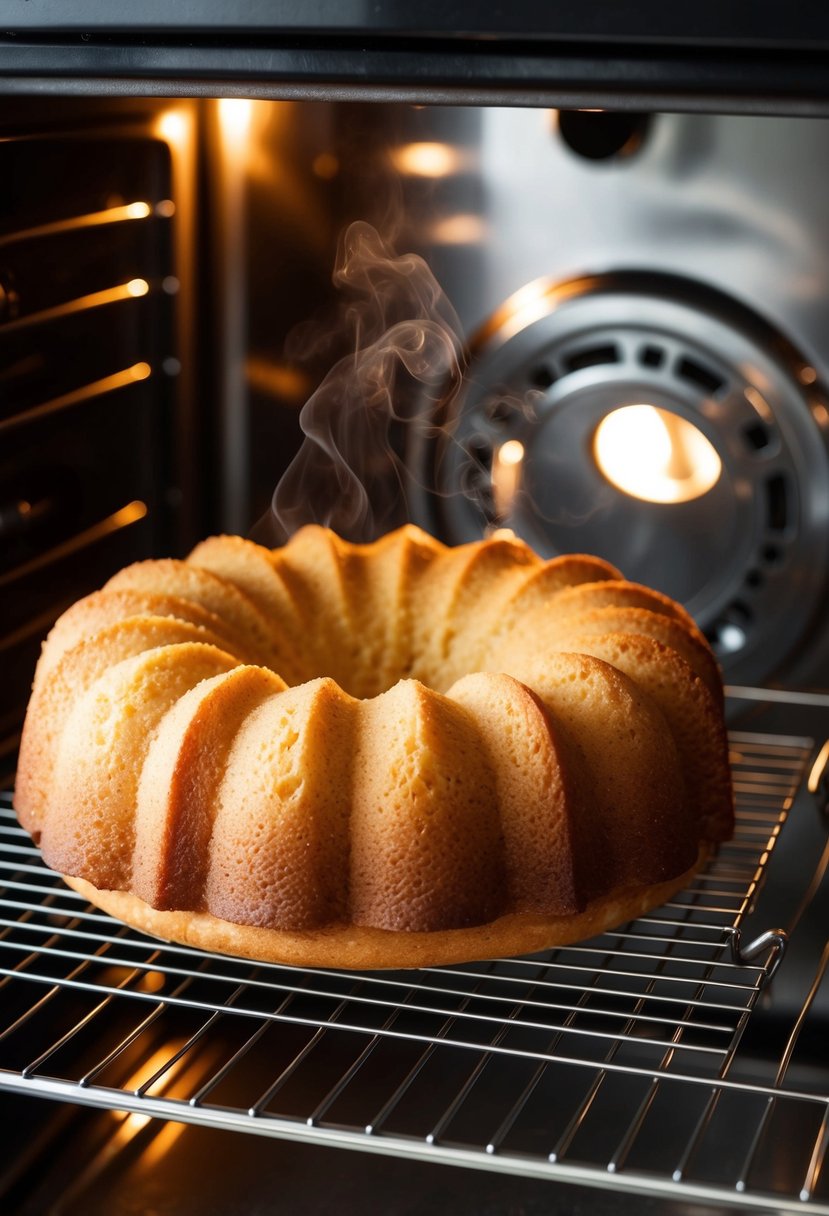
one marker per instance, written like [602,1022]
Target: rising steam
[407,363]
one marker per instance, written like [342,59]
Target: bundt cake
[384,755]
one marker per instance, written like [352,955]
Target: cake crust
[355,947]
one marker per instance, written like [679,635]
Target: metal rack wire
[618,1056]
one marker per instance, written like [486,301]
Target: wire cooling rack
[612,1062]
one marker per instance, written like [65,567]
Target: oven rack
[614,1059]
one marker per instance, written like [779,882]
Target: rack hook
[773,939]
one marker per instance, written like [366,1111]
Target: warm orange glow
[93,219]
[96,388]
[463,229]
[152,981]
[655,455]
[97,299]
[427,159]
[511,452]
[149,1067]
[808,375]
[758,401]
[530,303]
[277,379]
[165,208]
[820,413]
[137,211]
[161,1143]
[506,476]
[818,769]
[172,126]
[326,165]
[130,1125]
[235,115]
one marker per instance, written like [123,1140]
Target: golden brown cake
[384,755]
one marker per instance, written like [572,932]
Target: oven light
[655,455]
[427,159]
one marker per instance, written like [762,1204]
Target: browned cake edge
[352,947]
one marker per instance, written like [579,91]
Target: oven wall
[101,455]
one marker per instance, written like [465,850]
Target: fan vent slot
[651,356]
[700,375]
[543,376]
[757,436]
[777,503]
[592,356]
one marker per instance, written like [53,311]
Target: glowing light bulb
[655,455]
[138,287]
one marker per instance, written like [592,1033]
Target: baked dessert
[383,755]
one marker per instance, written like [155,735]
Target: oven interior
[166,309]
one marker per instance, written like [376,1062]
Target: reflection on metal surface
[464,229]
[428,159]
[506,476]
[818,769]
[96,299]
[655,455]
[275,379]
[755,398]
[132,513]
[108,384]
[326,165]
[146,1079]
[94,219]
[235,114]
[173,126]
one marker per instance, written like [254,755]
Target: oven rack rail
[616,1058]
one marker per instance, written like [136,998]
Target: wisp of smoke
[408,361]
